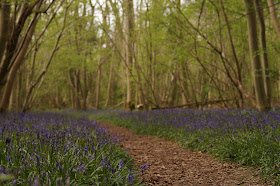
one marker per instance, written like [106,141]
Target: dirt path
[171,165]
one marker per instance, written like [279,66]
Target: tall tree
[255,55]
[16,46]
[129,51]
[19,59]
[265,64]
[18,40]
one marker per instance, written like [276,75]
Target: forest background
[160,53]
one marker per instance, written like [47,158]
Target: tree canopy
[155,53]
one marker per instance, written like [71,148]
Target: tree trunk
[272,11]
[173,91]
[85,89]
[13,50]
[255,57]
[72,87]
[57,96]
[183,84]
[12,96]
[124,75]
[181,73]
[129,50]
[77,89]
[97,98]
[18,100]
[9,85]
[4,26]
[265,64]
[109,82]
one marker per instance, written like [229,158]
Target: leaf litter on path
[172,165]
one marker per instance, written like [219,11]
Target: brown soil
[172,165]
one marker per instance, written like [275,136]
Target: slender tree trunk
[124,76]
[183,84]
[109,82]
[78,89]
[12,96]
[57,97]
[121,48]
[85,89]
[4,26]
[255,57]
[72,87]
[129,50]
[265,64]
[181,74]
[97,98]
[272,11]
[173,92]
[18,93]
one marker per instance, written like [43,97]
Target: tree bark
[15,46]
[19,59]
[4,26]
[99,70]
[18,100]
[129,49]
[255,57]
[72,87]
[85,89]
[183,84]
[265,64]
[74,81]
[124,74]
[273,16]
[109,82]
[77,89]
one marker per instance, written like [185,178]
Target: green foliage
[168,37]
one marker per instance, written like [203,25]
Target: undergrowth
[43,148]
[247,137]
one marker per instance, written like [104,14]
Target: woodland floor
[172,165]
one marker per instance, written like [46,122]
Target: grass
[44,148]
[245,136]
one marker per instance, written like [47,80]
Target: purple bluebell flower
[85,151]
[14,182]
[131,178]
[143,168]
[81,168]
[121,164]
[8,158]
